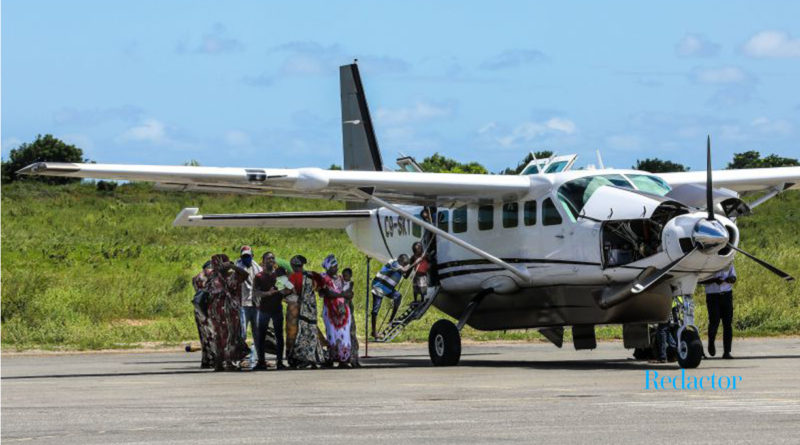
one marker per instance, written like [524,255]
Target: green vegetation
[753,159]
[441,164]
[44,148]
[655,165]
[85,268]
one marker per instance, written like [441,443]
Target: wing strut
[521,273]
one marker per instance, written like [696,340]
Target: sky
[255,84]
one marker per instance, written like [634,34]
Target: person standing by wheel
[719,301]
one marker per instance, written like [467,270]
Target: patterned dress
[303,346]
[338,318]
[227,346]
[204,329]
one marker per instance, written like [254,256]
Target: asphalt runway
[500,393]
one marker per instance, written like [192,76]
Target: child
[347,291]
[420,258]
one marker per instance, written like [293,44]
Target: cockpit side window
[550,215]
[460,219]
[443,220]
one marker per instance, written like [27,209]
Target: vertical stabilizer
[358,135]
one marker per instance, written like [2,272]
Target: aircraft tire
[444,344]
[690,350]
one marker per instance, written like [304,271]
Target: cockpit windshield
[650,184]
[577,192]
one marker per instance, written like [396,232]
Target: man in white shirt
[719,301]
[249,312]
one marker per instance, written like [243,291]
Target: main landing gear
[444,340]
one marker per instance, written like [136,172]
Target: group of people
[230,296]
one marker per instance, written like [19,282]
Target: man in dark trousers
[270,286]
[719,301]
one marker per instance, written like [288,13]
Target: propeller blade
[765,264]
[709,183]
[640,286]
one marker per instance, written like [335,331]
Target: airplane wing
[742,181]
[342,185]
[329,219]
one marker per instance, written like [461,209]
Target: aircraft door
[553,240]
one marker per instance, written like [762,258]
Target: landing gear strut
[444,341]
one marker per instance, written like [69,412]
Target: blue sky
[256,83]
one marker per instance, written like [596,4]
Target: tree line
[49,148]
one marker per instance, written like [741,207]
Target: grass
[84,269]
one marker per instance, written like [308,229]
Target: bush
[44,148]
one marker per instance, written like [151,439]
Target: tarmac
[501,392]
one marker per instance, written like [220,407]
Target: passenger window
[550,215]
[530,213]
[443,220]
[485,217]
[460,219]
[416,229]
[510,214]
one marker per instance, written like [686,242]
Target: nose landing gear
[687,336]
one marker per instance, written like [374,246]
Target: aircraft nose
[710,236]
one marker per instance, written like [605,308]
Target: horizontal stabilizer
[331,219]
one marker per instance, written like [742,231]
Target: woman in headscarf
[303,346]
[223,310]
[335,313]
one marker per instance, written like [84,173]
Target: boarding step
[415,311]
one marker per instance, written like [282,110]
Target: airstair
[413,312]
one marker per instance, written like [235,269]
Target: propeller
[710,208]
[709,182]
[642,285]
[764,264]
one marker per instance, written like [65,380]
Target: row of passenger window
[510,216]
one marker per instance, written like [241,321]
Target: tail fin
[358,135]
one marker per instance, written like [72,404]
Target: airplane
[549,248]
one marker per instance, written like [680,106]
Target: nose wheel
[444,344]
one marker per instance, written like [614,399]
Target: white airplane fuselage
[563,254]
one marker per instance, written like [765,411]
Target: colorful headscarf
[329,262]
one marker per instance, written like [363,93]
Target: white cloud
[150,130]
[237,138]
[778,127]
[421,111]
[720,75]
[772,44]
[696,45]
[532,131]
[491,126]
[562,125]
